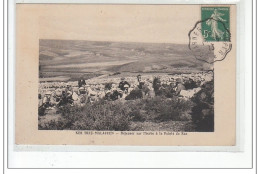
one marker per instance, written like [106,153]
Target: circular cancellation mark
[213,50]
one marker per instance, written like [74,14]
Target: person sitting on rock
[63,100]
[190,84]
[179,87]
[81,82]
[92,95]
[123,84]
[144,87]
[47,99]
[141,83]
[123,88]
[69,93]
[57,95]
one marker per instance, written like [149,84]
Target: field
[63,63]
[88,59]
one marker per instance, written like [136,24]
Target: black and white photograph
[123,86]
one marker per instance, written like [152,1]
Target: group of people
[85,94]
[145,89]
[59,97]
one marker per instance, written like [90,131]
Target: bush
[134,94]
[41,110]
[203,111]
[169,109]
[100,115]
[117,115]
[54,125]
[136,110]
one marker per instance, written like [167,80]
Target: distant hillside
[59,56]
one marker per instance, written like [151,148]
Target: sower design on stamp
[216,25]
[210,39]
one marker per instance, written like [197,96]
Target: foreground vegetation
[120,115]
[117,115]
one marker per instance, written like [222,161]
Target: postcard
[128,75]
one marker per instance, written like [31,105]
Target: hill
[76,58]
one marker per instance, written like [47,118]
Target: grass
[139,114]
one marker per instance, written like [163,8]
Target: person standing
[157,85]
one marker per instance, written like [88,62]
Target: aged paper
[154,75]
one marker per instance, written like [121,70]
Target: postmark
[210,38]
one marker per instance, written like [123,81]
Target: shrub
[41,110]
[203,111]
[135,94]
[117,115]
[169,109]
[54,125]
[100,115]
[136,110]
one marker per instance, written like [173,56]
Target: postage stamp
[210,38]
[216,26]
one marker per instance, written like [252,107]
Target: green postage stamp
[215,24]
